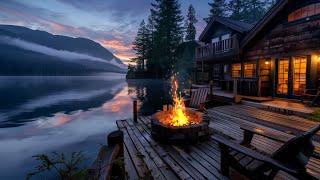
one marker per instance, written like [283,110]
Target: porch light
[266,62]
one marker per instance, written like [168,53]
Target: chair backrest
[297,151]
[198,96]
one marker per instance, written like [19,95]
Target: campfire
[177,123]
[177,114]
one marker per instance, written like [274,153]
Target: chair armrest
[250,129]
[253,154]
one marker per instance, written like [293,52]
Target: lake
[66,114]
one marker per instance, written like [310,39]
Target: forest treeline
[166,34]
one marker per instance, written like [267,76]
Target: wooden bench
[291,157]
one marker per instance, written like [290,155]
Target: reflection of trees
[17,94]
[151,94]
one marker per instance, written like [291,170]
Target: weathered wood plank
[179,164]
[141,168]
[152,167]
[181,173]
[165,170]
[131,172]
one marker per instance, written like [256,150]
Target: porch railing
[248,86]
[218,48]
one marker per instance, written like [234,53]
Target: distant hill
[31,52]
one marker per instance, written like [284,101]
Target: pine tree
[189,25]
[140,46]
[150,64]
[254,10]
[236,7]
[168,35]
[217,9]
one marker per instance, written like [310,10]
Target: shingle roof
[233,24]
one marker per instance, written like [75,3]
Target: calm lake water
[66,114]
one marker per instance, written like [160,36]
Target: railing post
[211,89]
[135,111]
[235,87]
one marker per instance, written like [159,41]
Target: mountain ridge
[58,43]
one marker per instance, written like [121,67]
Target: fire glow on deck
[178,124]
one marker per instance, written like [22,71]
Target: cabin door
[299,75]
[283,76]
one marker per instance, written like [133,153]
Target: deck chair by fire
[292,157]
[198,98]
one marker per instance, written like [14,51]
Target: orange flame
[178,115]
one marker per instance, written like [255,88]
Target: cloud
[66,55]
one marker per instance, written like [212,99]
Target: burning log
[178,124]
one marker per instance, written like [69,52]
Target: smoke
[62,54]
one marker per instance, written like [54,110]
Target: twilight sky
[112,23]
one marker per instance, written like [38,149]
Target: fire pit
[178,124]
[166,132]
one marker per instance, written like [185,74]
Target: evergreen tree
[167,36]
[189,25]
[217,9]
[150,64]
[236,8]
[254,10]
[140,46]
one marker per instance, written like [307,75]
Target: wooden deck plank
[139,165]
[201,161]
[131,172]
[167,172]
[151,165]
[181,173]
[174,155]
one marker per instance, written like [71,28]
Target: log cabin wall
[280,39]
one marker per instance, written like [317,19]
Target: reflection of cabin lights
[266,62]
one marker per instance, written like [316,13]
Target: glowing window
[249,70]
[283,74]
[299,78]
[236,70]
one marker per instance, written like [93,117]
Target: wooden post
[211,89]
[190,90]
[235,87]
[135,111]
[115,137]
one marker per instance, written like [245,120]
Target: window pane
[236,70]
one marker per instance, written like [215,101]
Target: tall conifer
[217,8]
[191,20]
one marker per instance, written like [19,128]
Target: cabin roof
[238,26]
[260,25]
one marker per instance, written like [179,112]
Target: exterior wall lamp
[267,62]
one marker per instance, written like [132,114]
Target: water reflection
[45,114]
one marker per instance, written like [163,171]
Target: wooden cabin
[219,48]
[279,56]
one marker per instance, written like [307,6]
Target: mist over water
[66,114]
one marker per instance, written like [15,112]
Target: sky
[112,23]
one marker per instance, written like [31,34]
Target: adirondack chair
[292,157]
[198,98]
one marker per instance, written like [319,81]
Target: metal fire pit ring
[190,134]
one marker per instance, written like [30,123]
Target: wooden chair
[292,157]
[198,98]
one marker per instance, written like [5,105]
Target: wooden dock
[146,159]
